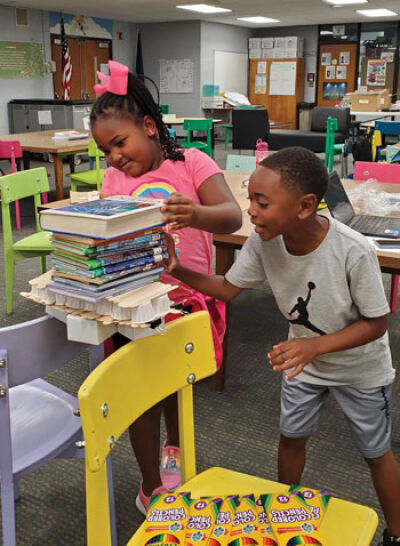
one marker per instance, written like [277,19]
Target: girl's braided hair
[137,103]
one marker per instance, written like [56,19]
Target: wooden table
[42,142]
[225,246]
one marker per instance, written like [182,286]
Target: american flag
[66,64]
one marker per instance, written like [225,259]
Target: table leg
[58,176]
[71,163]
[224,256]
[26,159]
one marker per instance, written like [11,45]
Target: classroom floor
[238,428]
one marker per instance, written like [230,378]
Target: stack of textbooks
[86,269]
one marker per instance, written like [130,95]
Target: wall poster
[376,72]
[330,72]
[21,60]
[176,76]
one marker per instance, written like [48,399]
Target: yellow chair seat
[345,523]
[37,241]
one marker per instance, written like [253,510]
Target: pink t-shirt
[194,245]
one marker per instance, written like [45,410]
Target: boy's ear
[308,205]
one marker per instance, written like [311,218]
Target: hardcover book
[103,218]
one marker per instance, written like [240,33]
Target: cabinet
[23,114]
[281,108]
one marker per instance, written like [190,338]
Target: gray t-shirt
[323,292]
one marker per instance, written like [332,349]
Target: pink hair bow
[116,82]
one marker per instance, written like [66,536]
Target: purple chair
[38,421]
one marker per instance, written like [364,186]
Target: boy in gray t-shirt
[326,280]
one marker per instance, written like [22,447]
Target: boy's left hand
[178,211]
[294,353]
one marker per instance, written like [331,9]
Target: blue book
[103,218]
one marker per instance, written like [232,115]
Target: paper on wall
[282,78]
[261,67]
[176,76]
[260,87]
[44,117]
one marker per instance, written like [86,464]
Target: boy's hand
[294,353]
[173,261]
[178,211]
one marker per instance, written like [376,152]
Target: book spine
[106,269]
[128,255]
[131,243]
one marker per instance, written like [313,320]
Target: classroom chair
[38,421]
[244,163]
[11,149]
[382,172]
[164,108]
[332,149]
[141,374]
[383,129]
[30,183]
[204,125]
[91,177]
[228,130]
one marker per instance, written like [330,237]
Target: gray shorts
[366,410]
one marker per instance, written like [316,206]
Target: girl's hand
[294,353]
[178,211]
[173,261]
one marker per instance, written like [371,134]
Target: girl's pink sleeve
[107,185]
[200,166]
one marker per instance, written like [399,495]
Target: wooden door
[86,57]
[97,52]
[336,72]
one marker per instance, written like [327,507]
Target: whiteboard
[231,71]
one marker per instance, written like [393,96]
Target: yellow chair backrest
[124,386]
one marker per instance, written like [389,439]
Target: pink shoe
[142,501]
[170,467]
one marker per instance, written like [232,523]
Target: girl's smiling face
[130,147]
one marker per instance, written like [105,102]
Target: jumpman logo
[301,308]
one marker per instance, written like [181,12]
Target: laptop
[342,210]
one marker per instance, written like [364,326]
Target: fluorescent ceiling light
[258,20]
[326,32]
[204,8]
[346,2]
[376,12]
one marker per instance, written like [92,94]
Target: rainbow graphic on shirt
[159,189]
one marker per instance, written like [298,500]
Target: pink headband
[116,82]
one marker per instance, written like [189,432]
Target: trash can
[304,113]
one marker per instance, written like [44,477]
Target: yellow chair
[141,374]
[92,177]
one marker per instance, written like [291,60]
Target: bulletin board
[336,72]
[231,71]
[21,60]
[388,75]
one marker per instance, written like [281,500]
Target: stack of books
[89,267]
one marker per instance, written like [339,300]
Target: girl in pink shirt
[145,161]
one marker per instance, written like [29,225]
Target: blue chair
[384,129]
[244,163]
[38,421]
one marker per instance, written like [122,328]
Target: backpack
[361,149]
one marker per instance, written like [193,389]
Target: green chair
[332,149]
[164,108]
[205,125]
[228,130]
[244,163]
[92,177]
[30,183]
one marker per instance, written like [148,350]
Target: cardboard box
[267,43]
[255,53]
[371,101]
[254,43]
[267,53]
[289,42]
[212,102]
